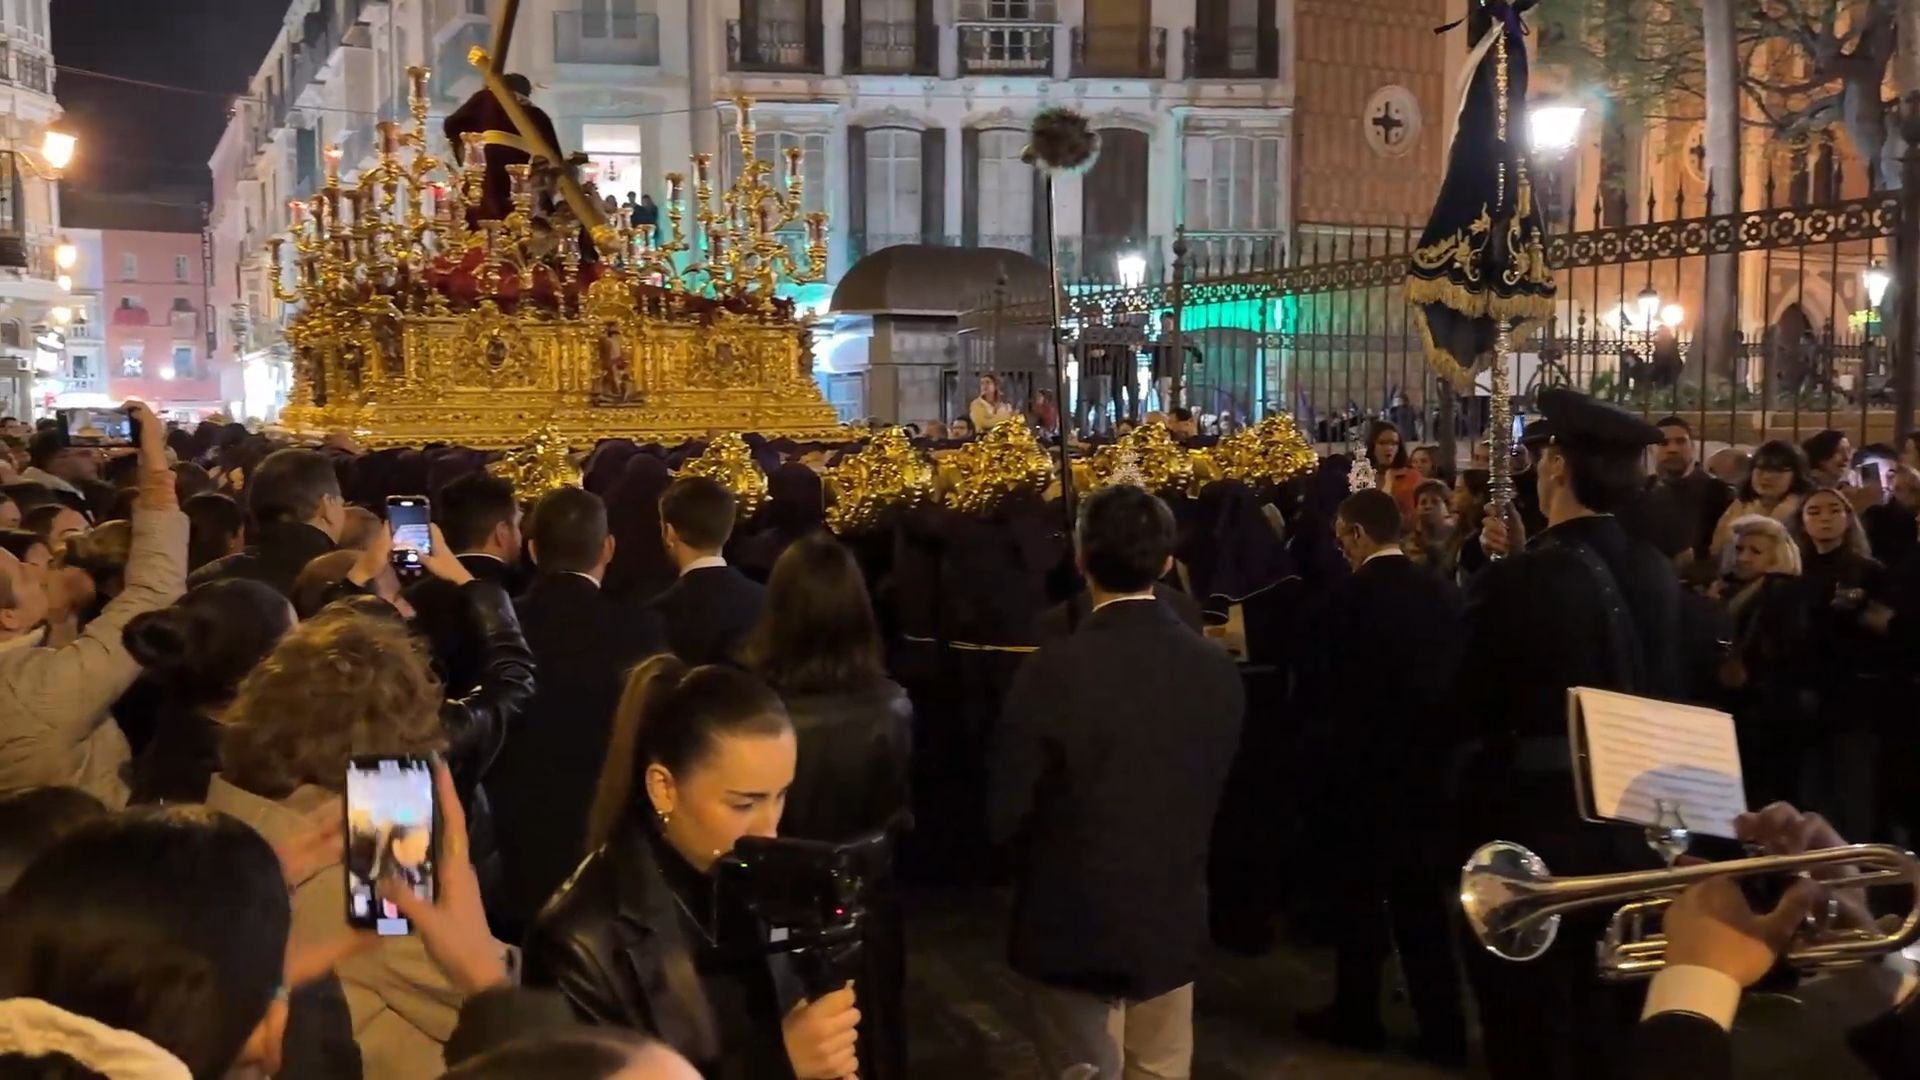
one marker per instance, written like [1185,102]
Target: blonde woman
[1763,665]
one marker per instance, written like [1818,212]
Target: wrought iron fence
[1328,337]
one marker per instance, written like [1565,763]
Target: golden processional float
[418,323]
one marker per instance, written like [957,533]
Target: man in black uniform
[1582,605]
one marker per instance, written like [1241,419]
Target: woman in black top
[1761,675]
[818,645]
[1843,589]
[643,936]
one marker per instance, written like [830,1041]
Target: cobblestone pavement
[965,1013]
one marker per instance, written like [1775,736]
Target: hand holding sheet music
[1636,751]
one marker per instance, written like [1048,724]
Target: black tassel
[1061,140]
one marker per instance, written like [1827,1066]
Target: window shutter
[749,33]
[852,54]
[857,189]
[969,187]
[816,35]
[1268,53]
[926,40]
[933,184]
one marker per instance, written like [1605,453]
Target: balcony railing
[1007,49]
[1119,52]
[25,69]
[83,376]
[1037,11]
[606,38]
[887,48]
[1237,52]
[862,244]
[1213,254]
[775,45]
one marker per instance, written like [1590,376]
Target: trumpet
[1515,906]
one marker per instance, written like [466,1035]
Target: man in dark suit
[1385,737]
[1583,605]
[294,515]
[479,519]
[1682,502]
[583,644]
[710,609]
[1060,620]
[1114,748]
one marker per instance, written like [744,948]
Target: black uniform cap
[1578,423]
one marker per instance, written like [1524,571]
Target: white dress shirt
[708,562]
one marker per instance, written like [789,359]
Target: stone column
[706,48]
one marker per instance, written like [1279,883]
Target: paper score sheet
[1638,750]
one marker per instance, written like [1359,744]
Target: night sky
[139,139]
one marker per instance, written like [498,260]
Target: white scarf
[33,1028]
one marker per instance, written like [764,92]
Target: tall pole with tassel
[1060,142]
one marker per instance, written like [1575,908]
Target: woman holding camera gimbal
[642,936]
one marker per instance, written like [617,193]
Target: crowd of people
[622,684]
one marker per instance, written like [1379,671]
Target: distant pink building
[155,295]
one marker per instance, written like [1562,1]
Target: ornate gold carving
[416,324]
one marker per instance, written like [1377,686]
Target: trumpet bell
[1495,885]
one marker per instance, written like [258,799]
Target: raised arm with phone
[59,730]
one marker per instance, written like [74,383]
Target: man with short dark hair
[1114,748]
[295,515]
[583,644]
[479,519]
[1682,502]
[711,608]
[1390,756]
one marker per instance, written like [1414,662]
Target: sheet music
[1638,750]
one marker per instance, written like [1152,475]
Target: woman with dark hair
[217,529]
[818,646]
[642,936]
[1387,453]
[148,944]
[1778,481]
[195,653]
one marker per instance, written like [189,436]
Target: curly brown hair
[339,685]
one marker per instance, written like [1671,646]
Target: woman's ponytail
[649,688]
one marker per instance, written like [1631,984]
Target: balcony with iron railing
[81,374]
[1119,52]
[26,69]
[888,48]
[775,46]
[1007,49]
[606,38]
[1237,52]
[1030,11]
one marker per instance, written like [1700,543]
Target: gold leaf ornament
[544,465]
[729,461]
[1007,460]
[1147,457]
[1270,452]
[868,488]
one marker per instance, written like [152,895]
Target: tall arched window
[893,186]
[1003,187]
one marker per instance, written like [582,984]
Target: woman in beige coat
[1774,488]
[339,685]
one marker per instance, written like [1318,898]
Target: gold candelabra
[443,301]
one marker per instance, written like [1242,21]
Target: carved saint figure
[616,368]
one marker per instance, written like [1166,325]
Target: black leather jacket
[476,724]
[611,941]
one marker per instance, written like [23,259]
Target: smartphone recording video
[391,832]
[410,518]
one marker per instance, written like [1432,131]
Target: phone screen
[391,830]
[1870,471]
[409,517]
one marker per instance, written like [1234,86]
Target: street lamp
[1673,315]
[1876,279]
[1553,129]
[65,281]
[57,147]
[1132,267]
[1648,305]
[61,315]
[66,255]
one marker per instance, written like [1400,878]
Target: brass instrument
[1514,905]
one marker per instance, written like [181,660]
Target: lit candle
[418,76]
[674,183]
[702,163]
[389,138]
